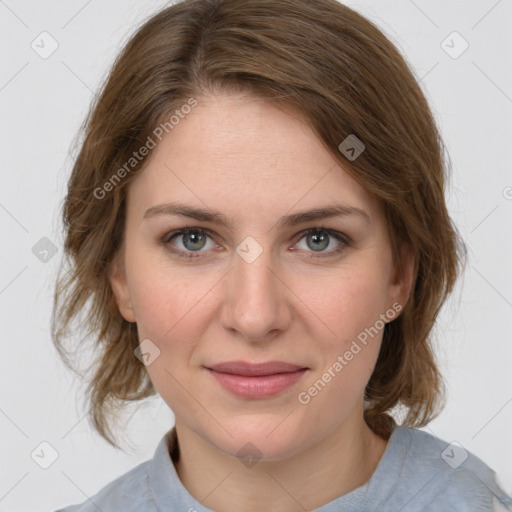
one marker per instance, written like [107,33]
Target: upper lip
[251,369]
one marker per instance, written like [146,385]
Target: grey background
[43,102]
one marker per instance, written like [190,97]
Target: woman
[256,220]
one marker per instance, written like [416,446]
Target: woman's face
[261,288]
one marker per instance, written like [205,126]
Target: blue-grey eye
[192,240]
[318,240]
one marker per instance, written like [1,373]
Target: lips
[256,381]
[255,370]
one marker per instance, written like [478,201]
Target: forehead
[241,152]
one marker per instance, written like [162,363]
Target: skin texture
[256,162]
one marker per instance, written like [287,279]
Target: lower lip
[257,387]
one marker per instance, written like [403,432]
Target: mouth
[256,380]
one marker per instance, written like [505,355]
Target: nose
[256,303]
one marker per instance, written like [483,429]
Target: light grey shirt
[417,472]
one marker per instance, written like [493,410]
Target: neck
[338,464]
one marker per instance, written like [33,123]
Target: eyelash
[344,240]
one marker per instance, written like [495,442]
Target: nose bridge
[254,305]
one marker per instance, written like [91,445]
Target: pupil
[318,240]
[194,238]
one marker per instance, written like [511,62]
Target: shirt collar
[169,493]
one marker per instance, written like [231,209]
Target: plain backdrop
[43,101]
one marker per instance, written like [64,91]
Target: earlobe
[403,278]
[120,289]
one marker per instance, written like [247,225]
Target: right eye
[193,240]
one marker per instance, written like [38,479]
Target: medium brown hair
[346,78]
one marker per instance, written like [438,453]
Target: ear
[402,278]
[119,284]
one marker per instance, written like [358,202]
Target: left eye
[319,239]
[193,240]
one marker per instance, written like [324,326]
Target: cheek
[171,314]
[172,311]
[346,359]
[347,303]
[166,300]
[349,334]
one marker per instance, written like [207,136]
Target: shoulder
[129,492]
[445,476]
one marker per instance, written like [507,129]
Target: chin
[263,438]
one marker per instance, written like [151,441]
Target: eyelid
[341,237]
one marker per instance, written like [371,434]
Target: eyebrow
[204,215]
